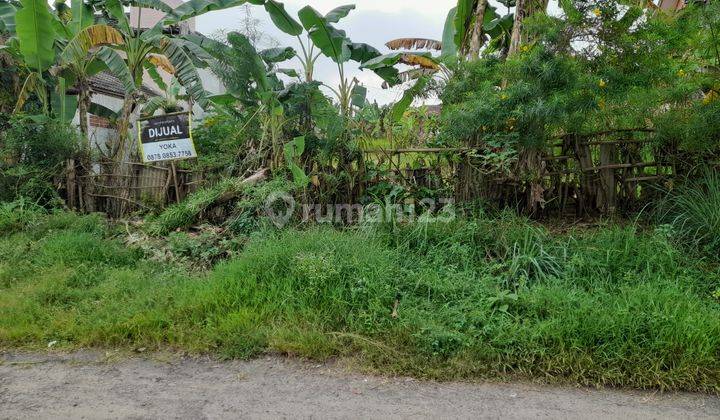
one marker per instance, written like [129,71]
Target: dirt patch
[102,385]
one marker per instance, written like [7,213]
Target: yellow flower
[597,12]
[602,83]
[709,97]
[525,48]
[681,73]
[601,104]
[503,97]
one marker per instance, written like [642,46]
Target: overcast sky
[373,21]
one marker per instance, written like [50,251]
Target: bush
[34,151]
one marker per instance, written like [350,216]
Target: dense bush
[34,151]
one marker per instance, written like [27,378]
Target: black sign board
[166,137]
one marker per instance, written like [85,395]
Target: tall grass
[693,212]
[465,299]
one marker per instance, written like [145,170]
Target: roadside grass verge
[466,299]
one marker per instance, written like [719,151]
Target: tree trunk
[523,9]
[477,38]
[83,105]
[118,150]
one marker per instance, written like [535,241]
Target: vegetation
[612,306]
[557,219]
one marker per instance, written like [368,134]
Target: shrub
[34,152]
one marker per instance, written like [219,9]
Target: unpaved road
[91,385]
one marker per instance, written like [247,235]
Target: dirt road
[100,385]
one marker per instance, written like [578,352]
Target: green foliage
[34,151]
[18,215]
[632,72]
[692,211]
[219,140]
[465,299]
[187,212]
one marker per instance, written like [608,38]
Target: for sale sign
[166,137]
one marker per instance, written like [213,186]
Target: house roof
[107,84]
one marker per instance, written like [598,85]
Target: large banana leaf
[102,111]
[116,10]
[258,70]
[449,49]
[152,4]
[282,19]
[155,76]
[338,13]
[34,27]
[424,60]
[277,55]
[358,96]
[33,84]
[331,41]
[363,53]
[64,106]
[194,8]
[408,97]
[117,66]
[198,55]
[77,49]
[185,71]
[463,18]
[212,47]
[82,16]
[152,105]
[7,17]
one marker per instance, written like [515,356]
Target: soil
[151,385]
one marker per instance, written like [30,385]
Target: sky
[373,21]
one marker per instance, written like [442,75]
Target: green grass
[692,213]
[482,298]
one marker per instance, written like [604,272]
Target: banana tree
[84,47]
[34,34]
[153,49]
[322,38]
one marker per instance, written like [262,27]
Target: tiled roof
[108,84]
